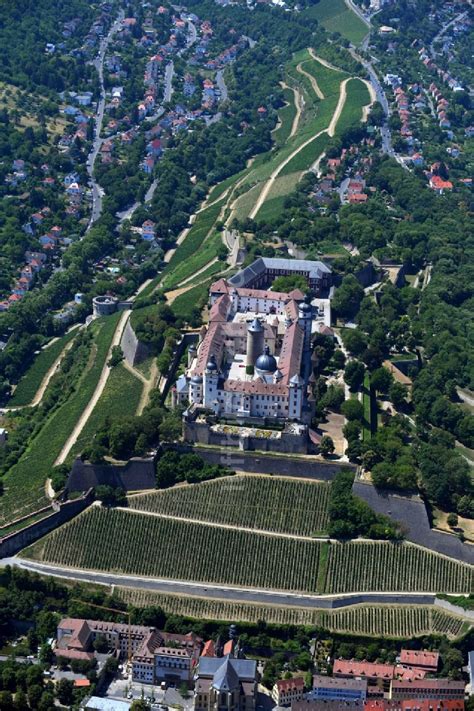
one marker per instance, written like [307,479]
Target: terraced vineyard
[128,542]
[133,543]
[266,503]
[398,622]
[24,482]
[377,565]
[385,621]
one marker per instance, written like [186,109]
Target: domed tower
[266,363]
[195,389]
[305,320]
[255,341]
[192,352]
[295,397]
[211,379]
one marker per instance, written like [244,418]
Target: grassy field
[120,397]
[357,97]
[31,381]
[24,483]
[119,541]
[335,16]
[403,622]
[267,503]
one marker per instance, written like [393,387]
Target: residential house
[148,231]
[287,691]
[439,185]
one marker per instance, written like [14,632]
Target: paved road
[128,213]
[192,34]
[97,192]
[221,592]
[445,27]
[168,88]
[221,85]
[385,132]
[19,660]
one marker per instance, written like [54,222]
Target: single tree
[326,446]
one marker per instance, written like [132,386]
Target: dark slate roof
[314,269]
[211,667]
[226,678]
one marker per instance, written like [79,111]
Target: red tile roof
[352,668]
[294,684]
[419,658]
[209,649]
[228,648]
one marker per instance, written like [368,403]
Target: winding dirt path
[373,99]
[329,130]
[104,376]
[313,81]
[322,61]
[45,382]
[298,101]
[340,105]
[149,385]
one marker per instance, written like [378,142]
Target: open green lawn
[335,16]
[24,482]
[328,79]
[31,381]
[120,397]
[357,96]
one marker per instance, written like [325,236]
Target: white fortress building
[252,366]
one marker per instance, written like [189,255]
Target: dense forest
[26,27]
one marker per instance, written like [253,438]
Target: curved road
[224,592]
[98,63]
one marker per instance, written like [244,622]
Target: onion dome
[266,363]
[305,305]
[211,366]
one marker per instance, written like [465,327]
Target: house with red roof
[420,658]
[287,691]
[439,185]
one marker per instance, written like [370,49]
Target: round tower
[211,380]
[255,341]
[192,352]
[305,320]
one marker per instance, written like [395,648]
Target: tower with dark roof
[255,341]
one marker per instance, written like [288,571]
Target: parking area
[124,688]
